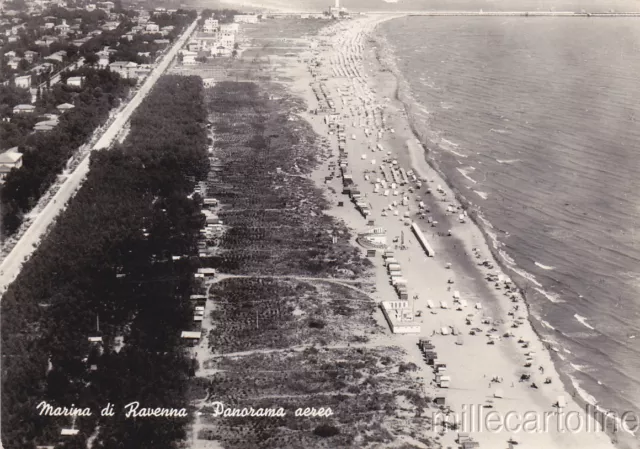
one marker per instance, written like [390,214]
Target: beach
[486,368]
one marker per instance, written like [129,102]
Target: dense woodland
[109,256]
[46,153]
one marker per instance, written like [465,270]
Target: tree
[234,53]
[91,59]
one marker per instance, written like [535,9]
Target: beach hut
[478,306]
[456,295]
[562,402]
[430,304]
[498,393]
[445,331]
[459,340]
[444,382]
[463,303]
[444,305]
[440,400]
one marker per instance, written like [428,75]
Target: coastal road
[12,263]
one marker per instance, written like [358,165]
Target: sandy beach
[486,368]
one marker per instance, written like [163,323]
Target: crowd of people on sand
[355,104]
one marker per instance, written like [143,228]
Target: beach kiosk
[430,304]
[444,381]
[444,305]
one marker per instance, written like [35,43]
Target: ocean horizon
[534,122]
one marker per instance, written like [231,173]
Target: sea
[536,122]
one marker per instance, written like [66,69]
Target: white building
[152,27]
[245,18]
[75,81]
[210,26]
[126,69]
[189,57]
[23,82]
[9,160]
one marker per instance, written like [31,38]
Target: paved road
[12,263]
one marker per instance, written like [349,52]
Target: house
[64,107]
[44,67]
[90,7]
[81,42]
[57,56]
[10,54]
[162,41]
[191,335]
[30,55]
[9,160]
[193,46]
[106,5]
[103,60]
[23,82]
[110,26]
[245,18]
[137,29]
[144,54]
[12,39]
[63,28]
[208,82]
[46,125]
[14,63]
[126,69]
[152,27]
[168,28]
[75,81]
[49,25]
[189,57]
[23,109]
[48,40]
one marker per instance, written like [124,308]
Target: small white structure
[246,18]
[75,81]
[23,82]
[400,317]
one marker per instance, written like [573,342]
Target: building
[14,63]
[337,11]
[23,82]
[30,55]
[245,18]
[400,317]
[373,238]
[75,81]
[231,28]
[64,107]
[9,160]
[152,27]
[46,125]
[126,69]
[63,28]
[24,109]
[210,26]
[103,60]
[194,46]
[57,56]
[208,82]
[189,57]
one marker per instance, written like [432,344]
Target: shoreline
[525,285]
[367,32]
